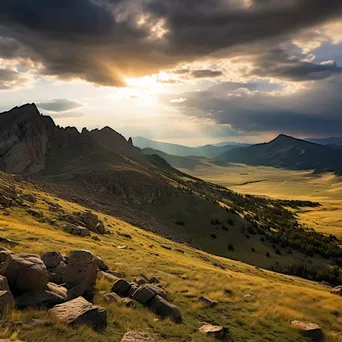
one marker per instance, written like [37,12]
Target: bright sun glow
[146,82]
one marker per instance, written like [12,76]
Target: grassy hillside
[275,300]
[284,184]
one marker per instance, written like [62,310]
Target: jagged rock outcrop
[24,135]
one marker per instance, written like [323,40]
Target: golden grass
[265,315]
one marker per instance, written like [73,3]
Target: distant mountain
[189,163]
[231,143]
[331,141]
[288,152]
[209,151]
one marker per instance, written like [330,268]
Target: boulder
[217,332]
[90,220]
[48,297]
[141,280]
[132,290]
[101,264]
[80,273]
[117,274]
[76,230]
[6,302]
[109,277]
[114,298]
[80,312]
[309,330]
[138,337]
[100,228]
[35,213]
[154,280]
[24,272]
[207,302]
[163,308]
[143,294]
[52,259]
[4,284]
[56,274]
[121,287]
[337,290]
[8,242]
[5,201]
[29,197]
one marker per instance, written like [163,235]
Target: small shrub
[231,247]
[253,249]
[213,236]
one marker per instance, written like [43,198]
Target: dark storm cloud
[251,108]
[281,64]
[104,41]
[59,105]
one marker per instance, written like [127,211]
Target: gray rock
[207,302]
[52,259]
[309,330]
[138,337]
[24,272]
[56,273]
[35,213]
[80,312]
[336,290]
[121,287]
[143,294]
[109,277]
[114,298]
[217,332]
[76,230]
[141,280]
[6,302]
[4,284]
[163,308]
[48,297]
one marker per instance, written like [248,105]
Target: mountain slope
[102,171]
[326,141]
[209,151]
[288,152]
[271,300]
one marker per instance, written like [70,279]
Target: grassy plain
[283,184]
[275,300]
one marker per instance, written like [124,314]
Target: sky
[183,71]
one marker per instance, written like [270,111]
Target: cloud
[66,115]
[10,78]
[252,108]
[59,105]
[106,41]
[279,63]
[180,100]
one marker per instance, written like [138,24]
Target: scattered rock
[138,337]
[117,274]
[141,280]
[76,230]
[48,297]
[163,308]
[8,242]
[29,197]
[80,312]
[80,273]
[121,287]
[207,302]
[24,272]
[248,295]
[125,235]
[109,277]
[336,290]
[52,259]
[114,298]
[309,330]
[166,247]
[217,332]
[101,264]
[154,280]
[5,202]
[35,213]
[143,294]
[6,302]
[56,273]
[4,284]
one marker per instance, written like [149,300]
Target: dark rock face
[24,135]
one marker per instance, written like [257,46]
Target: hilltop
[287,152]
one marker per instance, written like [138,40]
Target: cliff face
[24,135]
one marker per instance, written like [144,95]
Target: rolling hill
[209,151]
[288,152]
